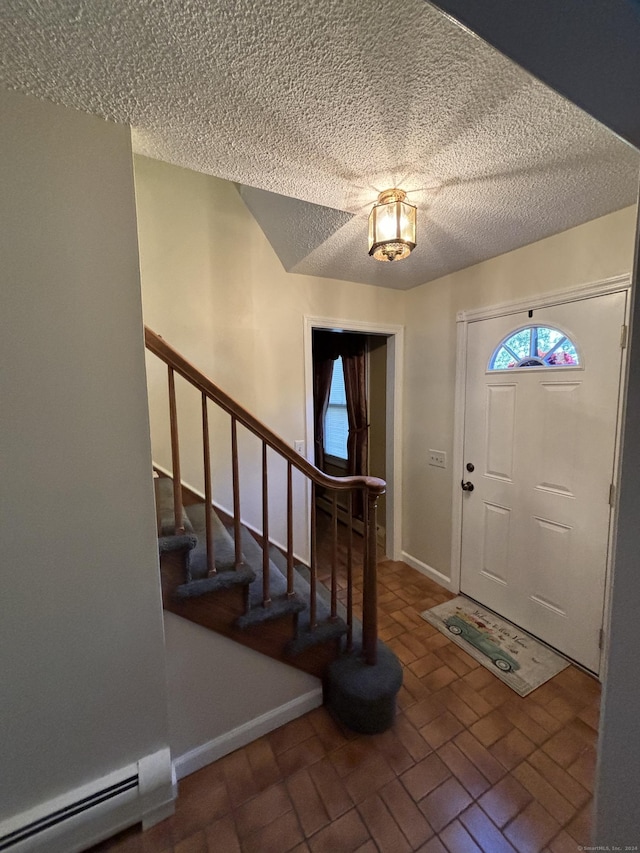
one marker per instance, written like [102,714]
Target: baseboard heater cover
[88,814]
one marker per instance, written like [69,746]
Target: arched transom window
[535,346]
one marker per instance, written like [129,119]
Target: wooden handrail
[369,487]
[190,372]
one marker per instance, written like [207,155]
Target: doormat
[521,661]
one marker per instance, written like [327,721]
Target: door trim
[548,300]
[395,373]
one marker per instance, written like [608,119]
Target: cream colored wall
[590,252]
[82,662]
[214,288]
[378,415]
[207,703]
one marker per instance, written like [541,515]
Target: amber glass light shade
[392,227]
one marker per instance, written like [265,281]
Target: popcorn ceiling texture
[326,104]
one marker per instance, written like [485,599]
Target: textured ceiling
[316,107]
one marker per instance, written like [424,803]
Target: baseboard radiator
[140,792]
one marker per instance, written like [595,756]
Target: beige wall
[208,702]
[213,287]
[590,252]
[378,415]
[82,660]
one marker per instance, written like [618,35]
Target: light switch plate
[298,446]
[438,458]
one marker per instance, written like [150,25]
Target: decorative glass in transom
[535,346]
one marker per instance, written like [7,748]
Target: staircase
[224,576]
[239,613]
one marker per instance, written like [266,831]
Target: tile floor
[468,766]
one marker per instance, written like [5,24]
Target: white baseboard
[214,749]
[429,571]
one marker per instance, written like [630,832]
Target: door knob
[467,487]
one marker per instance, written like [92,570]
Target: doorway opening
[349,371]
[383,345]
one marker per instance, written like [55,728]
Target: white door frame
[463,318]
[395,369]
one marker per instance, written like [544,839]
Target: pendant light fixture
[392,227]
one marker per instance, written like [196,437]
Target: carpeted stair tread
[224,579]
[168,540]
[280,606]
[306,638]
[324,594]
[181,542]
[302,584]
[252,553]
[224,549]
[326,629]
[302,581]
[302,587]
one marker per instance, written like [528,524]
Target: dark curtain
[327,346]
[355,382]
[322,375]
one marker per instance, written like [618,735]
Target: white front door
[539,447]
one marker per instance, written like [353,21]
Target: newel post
[370,581]
[361,688]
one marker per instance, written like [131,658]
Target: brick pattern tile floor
[468,765]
